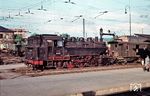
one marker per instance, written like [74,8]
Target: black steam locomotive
[58,52]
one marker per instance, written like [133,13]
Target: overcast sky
[57,16]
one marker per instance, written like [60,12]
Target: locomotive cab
[40,48]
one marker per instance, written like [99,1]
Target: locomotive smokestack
[101,34]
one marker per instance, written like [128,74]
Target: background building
[8,37]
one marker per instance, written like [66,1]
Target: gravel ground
[12,66]
[21,71]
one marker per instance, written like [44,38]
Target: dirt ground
[7,58]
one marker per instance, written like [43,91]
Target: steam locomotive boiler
[55,51]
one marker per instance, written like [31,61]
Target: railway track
[25,71]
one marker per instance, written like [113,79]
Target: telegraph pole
[129,12]
[83,23]
[130,17]
[83,28]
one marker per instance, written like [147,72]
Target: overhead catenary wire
[34,6]
[29,7]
